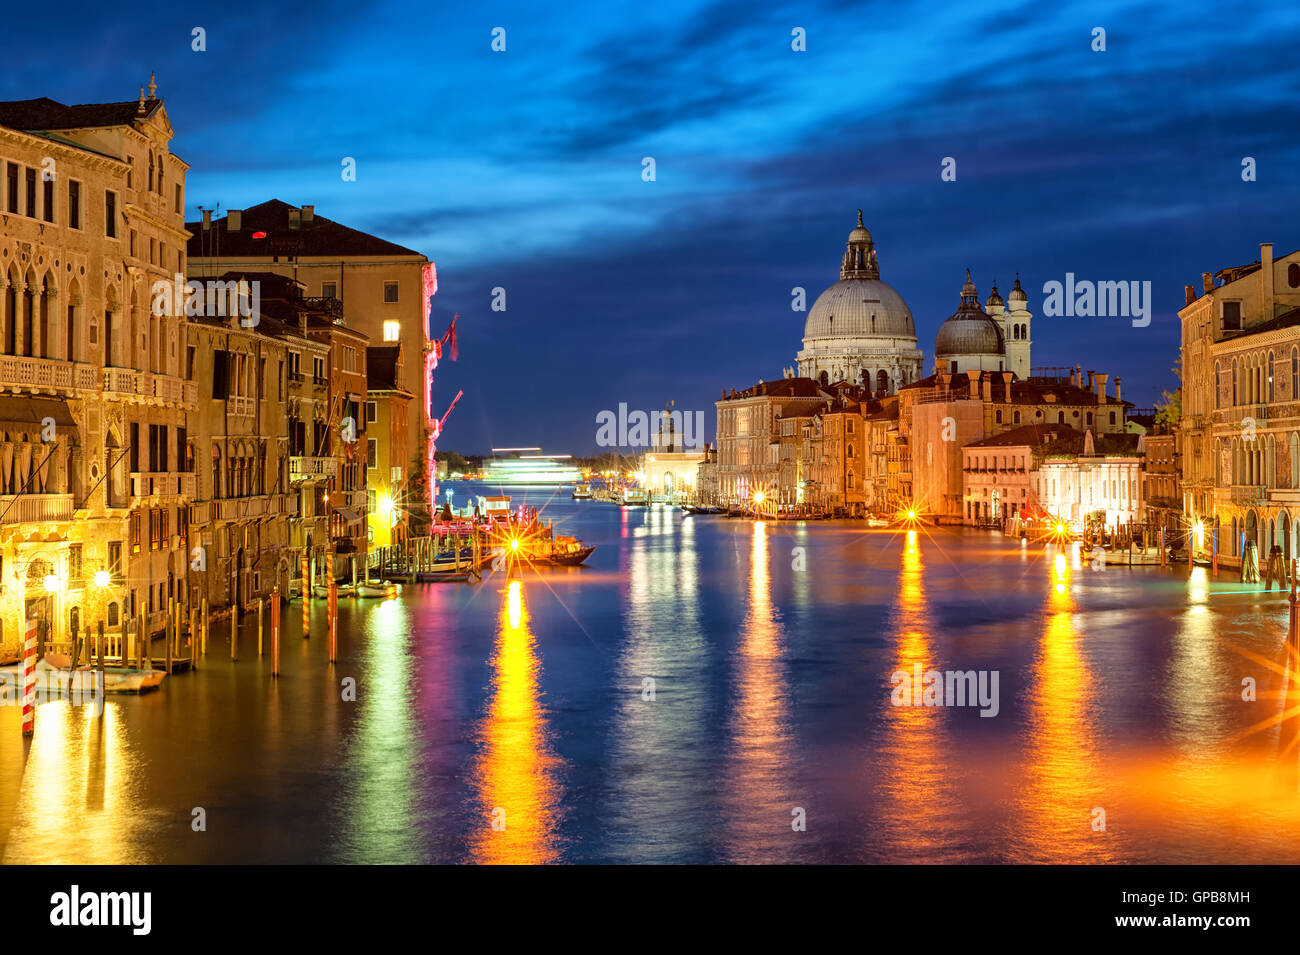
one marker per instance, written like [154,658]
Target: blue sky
[522,169]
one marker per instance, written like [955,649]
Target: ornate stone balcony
[21,373]
[312,469]
[1248,494]
[159,487]
[35,508]
[163,390]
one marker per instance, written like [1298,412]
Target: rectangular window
[135,448]
[329,290]
[182,451]
[74,204]
[115,558]
[372,453]
[74,562]
[135,532]
[47,187]
[176,205]
[12,202]
[372,412]
[261,379]
[31,193]
[220,375]
[279,379]
[1231,316]
[110,214]
[390,291]
[392,331]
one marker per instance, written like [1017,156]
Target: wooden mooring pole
[275,631]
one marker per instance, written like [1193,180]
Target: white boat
[633,497]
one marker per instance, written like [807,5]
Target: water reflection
[516,773]
[918,805]
[379,808]
[758,802]
[1059,780]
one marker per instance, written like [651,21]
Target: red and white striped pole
[334,620]
[29,678]
[275,632]
[306,598]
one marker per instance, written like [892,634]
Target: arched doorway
[1252,529]
[1284,534]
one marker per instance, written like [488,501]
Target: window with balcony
[329,290]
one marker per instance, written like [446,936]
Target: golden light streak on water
[1060,779]
[78,801]
[516,773]
[758,800]
[918,810]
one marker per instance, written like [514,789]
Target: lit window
[392,330]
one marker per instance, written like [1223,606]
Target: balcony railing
[35,508]
[240,406]
[165,389]
[147,484]
[1247,494]
[312,468]
[19,371]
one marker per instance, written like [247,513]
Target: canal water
[704,690]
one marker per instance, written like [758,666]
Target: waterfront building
[860,330]
[1161,495]
[381,286]
[942,414]
[880,429]
[670,468]
[388,449]
[239,444]
[1240,428]
[1089,480]
[706,476]
[1052,470]
[93,446]
[345,440]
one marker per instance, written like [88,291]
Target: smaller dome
[968,335]
[994,298]
[860,233]
[1017,294]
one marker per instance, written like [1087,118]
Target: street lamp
[103,578]
[52,583]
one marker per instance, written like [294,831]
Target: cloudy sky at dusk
[523,169]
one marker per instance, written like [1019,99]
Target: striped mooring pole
[275,631]
[334,620]
[29,678]
[306,598]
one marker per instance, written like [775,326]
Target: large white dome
[859,308]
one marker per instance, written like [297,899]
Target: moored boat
[582,492]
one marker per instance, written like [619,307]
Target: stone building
[93,427]
[388,449]
[1161,494]
[383,287]
[1239,434]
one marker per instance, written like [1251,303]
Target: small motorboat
[370,590]
[570,558]
[56,675]
[633,497]
[582,492]
[877,522]
[703,509]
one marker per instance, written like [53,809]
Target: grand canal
[688,696]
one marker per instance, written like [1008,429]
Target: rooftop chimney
[1266,276]
[1189,295]
[207,219]
[308,214]
[1117,382]
[234,220]
[1101,387]
[986,386]
[1006,386]
[295,218]
[1090,374]
[1207,282]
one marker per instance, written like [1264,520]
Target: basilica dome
[860,330]
[969,332]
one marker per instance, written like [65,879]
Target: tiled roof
[45,114]
[318,237]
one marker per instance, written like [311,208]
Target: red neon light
[259,235]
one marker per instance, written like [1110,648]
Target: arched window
[1216,384]
[1295,373]
[882,383]
[1295,459]
[1270,378]
[151,170]
[1060,417]
[216,472]
[1234,382]
[1293,275]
